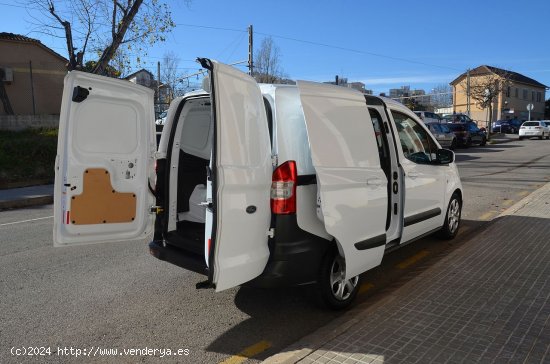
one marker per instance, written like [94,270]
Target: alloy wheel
[341,288]
[453,216]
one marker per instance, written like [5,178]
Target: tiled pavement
[486,302]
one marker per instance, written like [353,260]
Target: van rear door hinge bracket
[271,233]
[274,160]
[159,155]
[157,210]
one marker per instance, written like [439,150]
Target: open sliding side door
[353,186]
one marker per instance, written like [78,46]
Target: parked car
[502,126]
[445,137]
[534,129]
[457,118]
[266,185]
[428,117]
[506,126]
[468,134]
[161,118]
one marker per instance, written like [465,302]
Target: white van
[267,184]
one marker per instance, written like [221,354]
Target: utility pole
[250,50]
[158,85]
[468,91]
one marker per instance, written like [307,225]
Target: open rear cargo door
[104,161]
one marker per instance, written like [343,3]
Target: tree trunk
[490,127]
[109,52]
[4,96]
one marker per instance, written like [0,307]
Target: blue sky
[385,44]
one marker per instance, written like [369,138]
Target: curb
[26,202]
[524,201]
[313,341]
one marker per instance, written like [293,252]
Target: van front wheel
[336,292]
[452,218]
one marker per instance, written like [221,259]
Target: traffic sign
[530,107]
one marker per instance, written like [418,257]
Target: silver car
[443,134]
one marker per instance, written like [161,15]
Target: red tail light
[283,189]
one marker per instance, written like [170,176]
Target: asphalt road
[117,296]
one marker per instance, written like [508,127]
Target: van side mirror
[444,156]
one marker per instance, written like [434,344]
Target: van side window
[378,127]
[269,114]
[416,143]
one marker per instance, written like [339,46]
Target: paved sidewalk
[26,196]
[486,302]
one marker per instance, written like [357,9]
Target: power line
[356,51]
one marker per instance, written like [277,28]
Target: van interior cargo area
[192,148]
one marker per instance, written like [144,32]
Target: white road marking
[22,221]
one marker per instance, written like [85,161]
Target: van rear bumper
[295,255]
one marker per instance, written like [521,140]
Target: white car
[428,117]
[538,129]
[266,184]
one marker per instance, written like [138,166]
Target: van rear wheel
[336,292]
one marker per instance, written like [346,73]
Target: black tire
[483,141]
[451,224]
[330,280]
[520,138]
[453,144]
[542,136]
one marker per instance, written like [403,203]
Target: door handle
[374,182]
[413,175]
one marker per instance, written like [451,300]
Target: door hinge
[274,160]
[159,155]
[157,210]
[271,233]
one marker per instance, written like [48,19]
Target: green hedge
[27,155]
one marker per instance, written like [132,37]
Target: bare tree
[103,26]
[484,90]
[267,62]
[442,96]
[170,77]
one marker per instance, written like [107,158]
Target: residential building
[400,93]
[33,76]
[511,102]
[143,78]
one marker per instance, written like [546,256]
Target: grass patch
[27,155]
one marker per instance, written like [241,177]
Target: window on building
[517,92]
[525,94]
[508,91]
[539,97]
[532,95]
